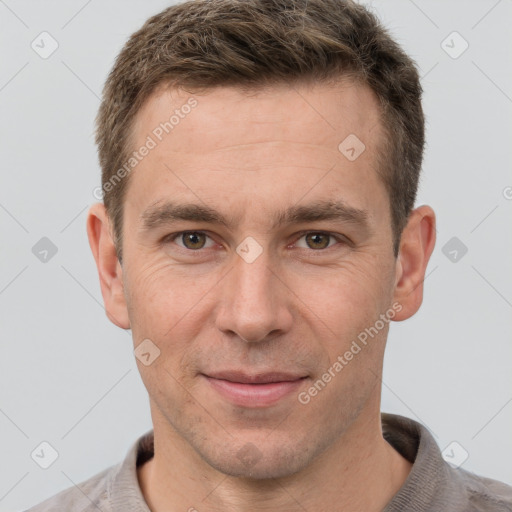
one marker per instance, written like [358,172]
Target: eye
[192,240]
[318,240]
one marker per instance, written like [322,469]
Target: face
[256,252]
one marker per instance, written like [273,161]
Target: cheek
[344,300]
[170,306]
[160,294]
[347,316]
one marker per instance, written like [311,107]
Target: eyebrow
[168,212]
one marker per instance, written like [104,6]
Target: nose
[255,303]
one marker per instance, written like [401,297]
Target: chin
[248,461]
[263,470]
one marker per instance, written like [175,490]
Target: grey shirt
[432,485]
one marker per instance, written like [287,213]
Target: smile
[255,391]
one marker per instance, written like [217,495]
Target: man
[260,161]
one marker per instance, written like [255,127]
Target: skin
[296,308]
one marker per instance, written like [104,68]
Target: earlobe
[416,246]
[109,269]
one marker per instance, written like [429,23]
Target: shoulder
[87,496]
[434,484]
[116,488]
[485,493]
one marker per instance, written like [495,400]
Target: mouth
[256,390]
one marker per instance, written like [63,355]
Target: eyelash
[339,238]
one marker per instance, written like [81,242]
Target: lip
[260,390]
[257,378]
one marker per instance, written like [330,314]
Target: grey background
[68,376]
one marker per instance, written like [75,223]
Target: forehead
[307,113]
[226,145]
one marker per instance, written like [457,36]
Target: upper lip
[257,378]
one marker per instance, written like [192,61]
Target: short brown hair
[254,43]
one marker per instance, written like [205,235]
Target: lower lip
[254,395]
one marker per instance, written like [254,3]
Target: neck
[359,472]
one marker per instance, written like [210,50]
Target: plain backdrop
[68,376]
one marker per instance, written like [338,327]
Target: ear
[416,245]
[109,268]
